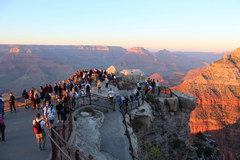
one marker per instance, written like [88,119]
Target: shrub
[151,99]
[88,109]
[152,151]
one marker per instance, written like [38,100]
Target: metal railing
[60,135]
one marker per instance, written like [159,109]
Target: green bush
[88,109]
[152,151]
[151,99]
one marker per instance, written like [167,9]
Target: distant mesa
[14,50]
[139,50]
[164,51]
[179,73]
[111,70]
[94,48]
[28,51]
[156,77]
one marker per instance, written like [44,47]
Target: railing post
[90,100]
[77,155]
[63,131]
[54,148]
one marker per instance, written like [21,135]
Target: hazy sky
[203,25]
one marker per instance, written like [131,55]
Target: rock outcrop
[217,90]
[157,77]
[86,136]
[162,130]
[139,51]
[111,70]
[14,50]
[133,74]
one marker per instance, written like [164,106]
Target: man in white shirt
[38,129]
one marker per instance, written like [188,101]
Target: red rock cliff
[217,90]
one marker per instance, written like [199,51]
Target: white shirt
[2,99]
[42,123]
[110,93]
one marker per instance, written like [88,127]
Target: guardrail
[60,135]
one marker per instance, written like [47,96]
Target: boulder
[111,70]
[133,74]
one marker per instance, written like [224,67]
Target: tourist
[48,98]
[99,86]
[111,95]
[51,114]
[59,107]
[66,99]
[139,86]
[38,129]
[26,98]
[83,95]
[37,99]
[56,90]
[45,113]
[2,129]
[2,106]
[31,96]
[12,102]
[73,96]
[65,111]
[106,82]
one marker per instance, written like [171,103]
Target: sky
[186,25]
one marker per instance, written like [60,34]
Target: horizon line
[151,50]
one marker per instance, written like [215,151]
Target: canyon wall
[217,90]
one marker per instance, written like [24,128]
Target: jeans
[12,106]
[2,133]
[41,139]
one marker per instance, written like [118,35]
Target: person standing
[38,129]
[12,102]
[99,86]
[2,99]
[59,107]
[111,95]
[1,107]
[45,113]
[26,98]
[106,82]
[2,129]
[51,113]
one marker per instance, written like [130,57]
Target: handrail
[68,124]
[52,140]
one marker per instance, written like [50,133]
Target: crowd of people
[58,100]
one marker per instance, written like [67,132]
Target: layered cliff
[162,130]
[217,90]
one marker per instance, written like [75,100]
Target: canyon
[32,65]
[217,90]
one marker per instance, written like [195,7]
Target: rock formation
[14,50]
[133,74]
[138,50]
[157,77]
[162,131]
[129,78]
[217,90]
[111,70]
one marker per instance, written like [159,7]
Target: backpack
[37,129]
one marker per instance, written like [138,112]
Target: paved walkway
[20,140]
[113,139]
